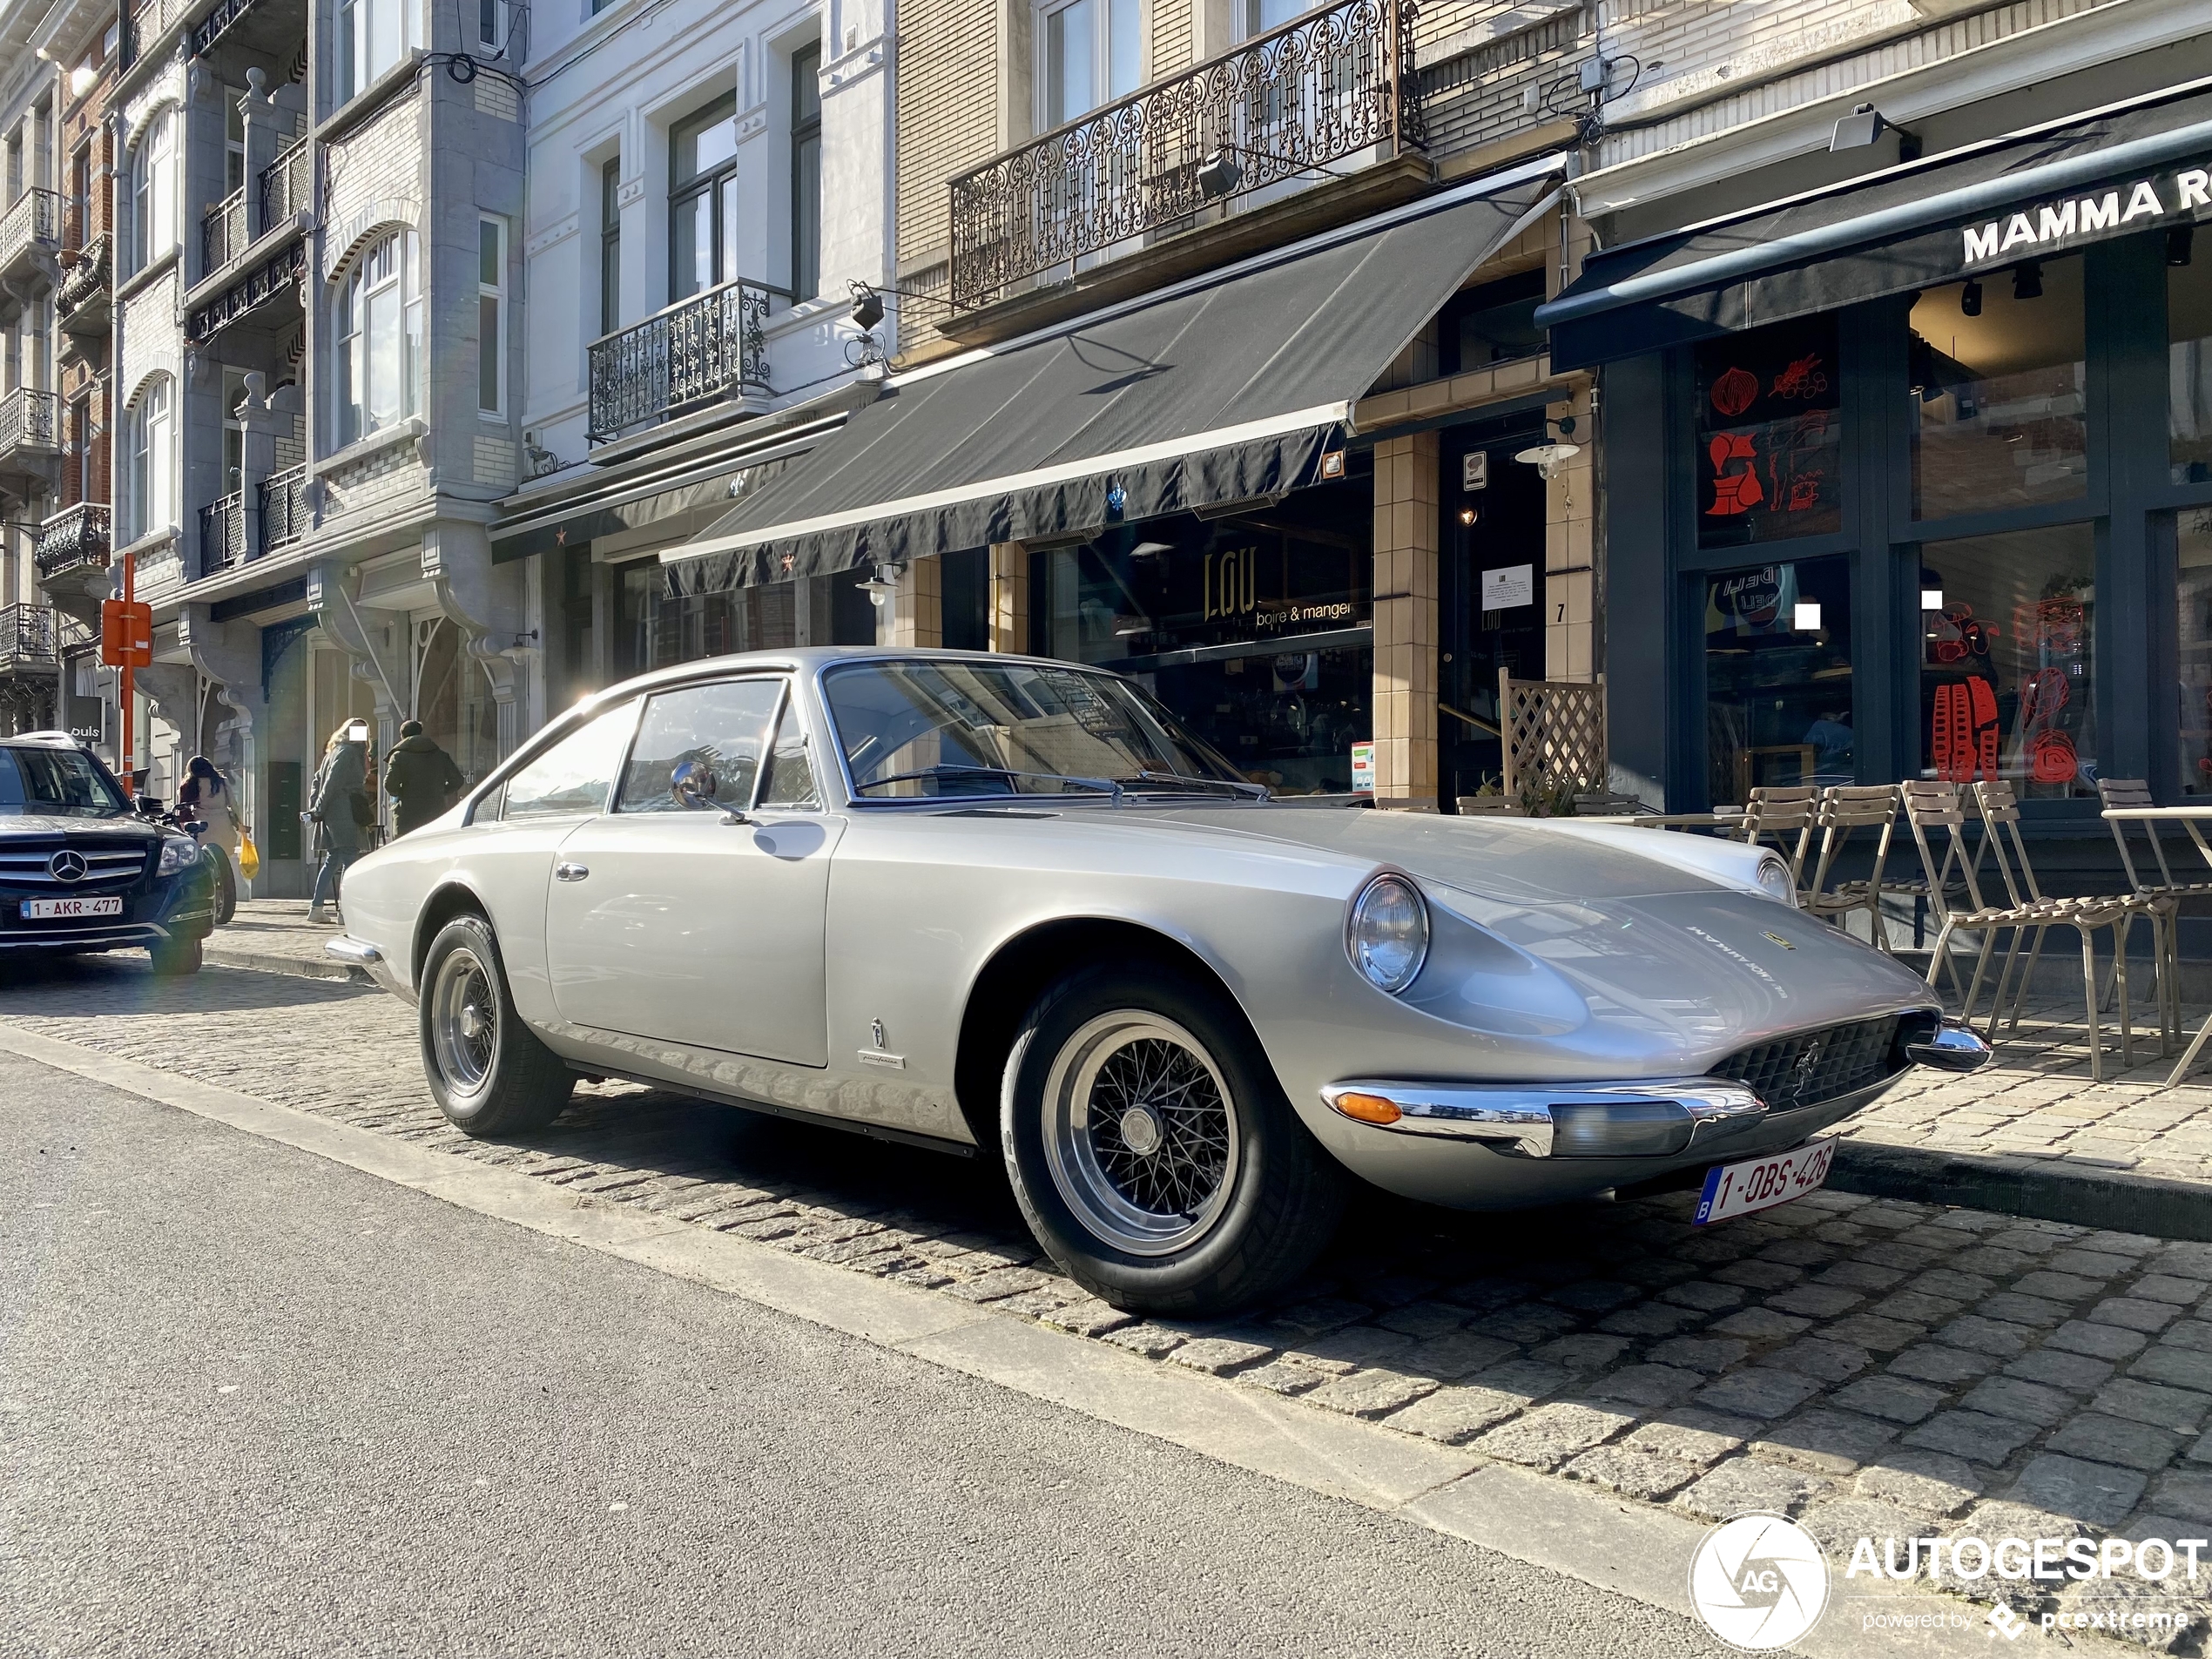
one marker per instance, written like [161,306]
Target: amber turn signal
[1368,1109]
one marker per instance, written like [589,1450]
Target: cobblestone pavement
[1870,1367]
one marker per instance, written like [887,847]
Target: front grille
[106,863]
[1815,1066]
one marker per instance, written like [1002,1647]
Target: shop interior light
[1932,599]
[1467,515]
[1150,550]
[1970,300]
[1124,627]
[2028,280]
[2177,244]
[1806,619]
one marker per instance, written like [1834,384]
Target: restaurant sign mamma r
[2146,202]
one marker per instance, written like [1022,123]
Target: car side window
[699,747]
[790,776]
[576,774]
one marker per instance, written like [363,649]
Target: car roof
[809,658]
[43,741]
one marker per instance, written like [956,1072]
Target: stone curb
[262,961]
[2042,1189]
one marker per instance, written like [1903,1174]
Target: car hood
[136,829]
[1515,860]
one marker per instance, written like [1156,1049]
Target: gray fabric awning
[1224,387]
[2135,167]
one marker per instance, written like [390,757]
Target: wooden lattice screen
[1554,735]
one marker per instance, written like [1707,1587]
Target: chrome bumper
[1555,1120]
[354,952]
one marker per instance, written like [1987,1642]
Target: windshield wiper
[1103,785]
[1241,791]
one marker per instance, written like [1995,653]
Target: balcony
[223,233]
[1335,86]
[30,232]
[31,428]
[693,352]
[146,24]
[27,638]
[76,538]
[222,533]
[82,304]
[288,184]
[285,518]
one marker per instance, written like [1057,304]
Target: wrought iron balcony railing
[692,353]
[76,538]
[143,24]
[222,533]
[27,633]
[30,420]
[87,279]
[1332,86]
[287,184]
[284,509]
[222,233]
[34,222]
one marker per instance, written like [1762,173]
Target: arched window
[153,191]
[150,462]
[380,339]
[373,35]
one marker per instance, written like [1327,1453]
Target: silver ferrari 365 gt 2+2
[991,903]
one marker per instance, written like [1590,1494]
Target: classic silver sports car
[991,903]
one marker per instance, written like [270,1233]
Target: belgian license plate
[1739,1189]
[67,909]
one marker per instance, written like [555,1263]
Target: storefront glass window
[1770,435]
[2189,332]
[2007,666]
[2192,535]
[1778,676]
[1997,392]
[1254,630]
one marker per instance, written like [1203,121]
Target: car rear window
[65,783]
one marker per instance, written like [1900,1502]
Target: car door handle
[568,872]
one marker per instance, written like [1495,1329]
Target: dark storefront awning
[1223,388]
[2117,172]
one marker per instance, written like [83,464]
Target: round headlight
[177,853]
[1775,881]
[1388,938]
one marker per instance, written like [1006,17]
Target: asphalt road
[253,1402]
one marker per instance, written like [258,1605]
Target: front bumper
[369,959]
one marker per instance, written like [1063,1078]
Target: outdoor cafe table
[2192,819]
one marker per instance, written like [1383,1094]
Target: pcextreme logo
[1759,1581]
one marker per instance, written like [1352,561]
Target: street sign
[126,634]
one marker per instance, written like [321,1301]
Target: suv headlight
[177,853]
[1387,938]
[1775,881]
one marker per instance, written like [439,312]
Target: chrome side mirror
[1952,1049]
[693,785]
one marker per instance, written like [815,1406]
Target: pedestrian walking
[207,795]
[343,810]
[421,778]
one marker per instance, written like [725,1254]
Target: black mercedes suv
[83,869]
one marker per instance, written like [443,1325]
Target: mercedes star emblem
[66,866]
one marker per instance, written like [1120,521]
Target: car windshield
[934,727]
[57,782]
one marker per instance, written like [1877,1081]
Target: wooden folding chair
[1843,809]
[2161,898]
[1782,811]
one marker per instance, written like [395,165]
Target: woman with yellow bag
[206,797]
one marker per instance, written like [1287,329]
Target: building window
[488,25]
[1090,53]
[1770,435]
[2007,660]
[380,339]
[153,191]
[2189,333]
[149,463]
[703,199]
[1258,17]
[80,196]
[372,36]
[233,139]
[1778,676]
[491,315]
[805,172]
[1999,392]
[233,430]
[611,244]
[83,481]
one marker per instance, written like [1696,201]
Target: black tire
[174,958]
[223,883]
[1273,1199]
[497,1078]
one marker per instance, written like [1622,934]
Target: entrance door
[1492,593]
[665,921]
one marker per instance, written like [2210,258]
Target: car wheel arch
[1010,981]
[448,900]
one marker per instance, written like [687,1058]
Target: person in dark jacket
[421,778]
[341,809]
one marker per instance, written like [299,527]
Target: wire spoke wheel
[464,1021]
[1141,1133]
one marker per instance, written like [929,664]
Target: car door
[667,920]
